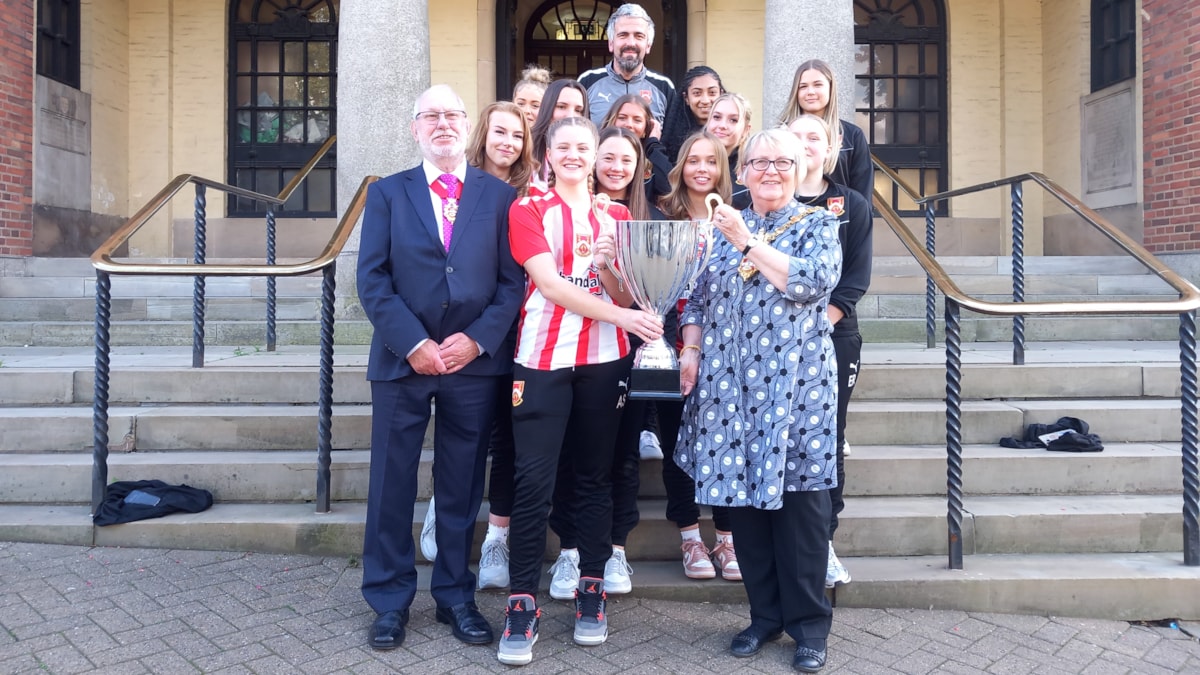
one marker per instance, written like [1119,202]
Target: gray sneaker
[616,573]
[520,631]
[591,620]
[429,534]
[564,575]
[835,572]
[493,564]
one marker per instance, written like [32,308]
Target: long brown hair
[610,119]
[522,169]
[830,114]
[635,194]
[541,126]
[675,203]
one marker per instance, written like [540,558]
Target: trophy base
[654,384]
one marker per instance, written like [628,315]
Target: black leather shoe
[388,630]
[467,623]
[808,660]
[750,641]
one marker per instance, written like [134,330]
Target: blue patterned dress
[762,418]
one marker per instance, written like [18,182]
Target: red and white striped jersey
[551,337]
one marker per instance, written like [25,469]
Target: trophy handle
[712,201]
[706,233]
[600,207]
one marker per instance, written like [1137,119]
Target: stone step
[973,328]
[305,308]
[976,328]
[25,429]
[869,526]
[308,286]
[888,265]
[912,305]
[178,333]
[225,381]
[1077,285]
[905,265]
[191,427]
[160,309]
[125,287]
[873,471]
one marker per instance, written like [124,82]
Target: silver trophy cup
[658,260]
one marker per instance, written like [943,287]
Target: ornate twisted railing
[955,300]
[200,269]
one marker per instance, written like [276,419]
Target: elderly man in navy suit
[437,281]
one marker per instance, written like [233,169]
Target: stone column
[798,30]
[383,65]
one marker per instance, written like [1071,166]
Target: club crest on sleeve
[518,392]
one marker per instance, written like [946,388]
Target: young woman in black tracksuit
[729,121]
[633,113]
[689,113]
[854,233]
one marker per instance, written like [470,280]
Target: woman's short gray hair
[781,140]
[635,11]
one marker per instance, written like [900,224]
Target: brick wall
[1171,119]
[16,127]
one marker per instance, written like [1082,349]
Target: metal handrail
[102,259]
[955,299]
[1189,295]
[325,262]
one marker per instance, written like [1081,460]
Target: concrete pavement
[72,609]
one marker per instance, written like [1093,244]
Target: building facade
[102,102]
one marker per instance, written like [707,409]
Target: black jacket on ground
[150,499]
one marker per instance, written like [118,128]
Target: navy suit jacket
[412,289]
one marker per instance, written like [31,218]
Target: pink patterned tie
[448,188]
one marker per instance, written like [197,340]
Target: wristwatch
[751,243]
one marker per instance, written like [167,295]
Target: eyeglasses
[451,116]
[782,164]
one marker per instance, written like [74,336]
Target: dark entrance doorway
[282,101]
[569,36]
[900,92]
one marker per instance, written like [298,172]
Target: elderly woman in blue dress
[759,424]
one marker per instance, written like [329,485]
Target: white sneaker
[429,534]
[493,564]
[648,448]
[616,573]
[565,578]
[835,572]
[845,448]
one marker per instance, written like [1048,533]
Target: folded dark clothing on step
[1074,437]
[127,501]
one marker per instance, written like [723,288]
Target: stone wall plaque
[1109,147]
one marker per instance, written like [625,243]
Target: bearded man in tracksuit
[630,35]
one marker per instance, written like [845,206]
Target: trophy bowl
[658,260]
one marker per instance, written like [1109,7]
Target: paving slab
[305,614]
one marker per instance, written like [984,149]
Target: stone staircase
[1074,535]
[51,302]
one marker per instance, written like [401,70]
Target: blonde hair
[522,170]
[533,76]
[792,110]
[675,203]
[831,157]
[744,112]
